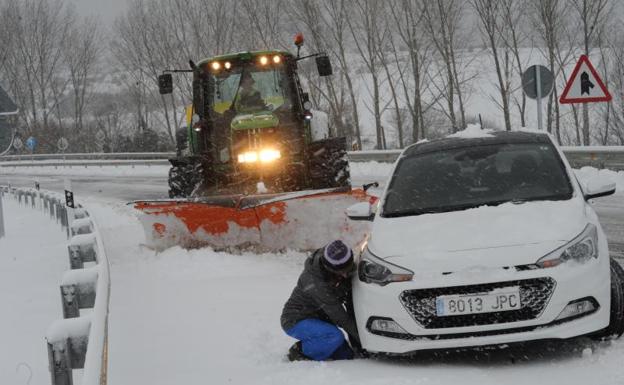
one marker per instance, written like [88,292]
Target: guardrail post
[81,226]
[69,301]
[78,290]
[1,215]
[81,249]
[60,363]
[67,348]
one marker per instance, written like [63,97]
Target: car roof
[492,137]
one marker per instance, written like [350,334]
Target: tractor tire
[184,178]
[329,166]
[616,321]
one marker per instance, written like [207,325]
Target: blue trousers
[320,340]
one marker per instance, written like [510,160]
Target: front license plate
[504,299]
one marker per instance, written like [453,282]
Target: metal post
[538,87]
[1,216]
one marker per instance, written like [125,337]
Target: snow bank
[80,276]
[63,329]
[370,171]
[82,240]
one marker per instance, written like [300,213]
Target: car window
[465,177]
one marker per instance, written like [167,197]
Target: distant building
[8,109]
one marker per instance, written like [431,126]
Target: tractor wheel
[184,178]
[329,166]
[616,322]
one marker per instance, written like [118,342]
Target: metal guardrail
[76,341]
[611,157]
[90,156]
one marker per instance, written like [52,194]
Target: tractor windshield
[251,89]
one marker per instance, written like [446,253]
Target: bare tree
[408,23]
[34,58]
[513,14]
[490,14]
[335,17]
[442,20]
[82,49]
[366,24]
[592,14]
[549,21]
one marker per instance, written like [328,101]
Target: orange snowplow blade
[303,220]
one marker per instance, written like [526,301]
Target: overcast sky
[106,9]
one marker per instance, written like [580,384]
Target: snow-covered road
[204,317]
[200,316]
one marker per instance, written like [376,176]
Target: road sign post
[1,216]
[538,88]
[537,83]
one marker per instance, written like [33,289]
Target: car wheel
[616,321]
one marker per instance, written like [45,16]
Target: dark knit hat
[338,257]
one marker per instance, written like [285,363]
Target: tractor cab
[254,109]
[249,129]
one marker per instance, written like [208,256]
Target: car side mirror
[323,65]
[598,187]
[165,84]
[362,211]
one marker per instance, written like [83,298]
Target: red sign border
[564,96]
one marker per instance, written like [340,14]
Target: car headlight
[372,269]
[581,249]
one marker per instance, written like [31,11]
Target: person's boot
[344,352]
[295,353]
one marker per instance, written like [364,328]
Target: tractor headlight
[372,269]
[248,157]
[266,155]
[581,249]
[269,155]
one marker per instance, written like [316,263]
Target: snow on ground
[200,316]
[33,257]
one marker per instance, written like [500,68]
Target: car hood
[505,235]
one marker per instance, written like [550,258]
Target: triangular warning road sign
[584,85]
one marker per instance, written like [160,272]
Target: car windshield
[461,178]
[251,88]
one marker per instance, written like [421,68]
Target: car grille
[534,295]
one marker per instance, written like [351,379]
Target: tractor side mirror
[165,84]
[323,65]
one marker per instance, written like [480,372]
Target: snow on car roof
[492,137]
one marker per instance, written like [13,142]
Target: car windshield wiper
[431,210]
[443,209]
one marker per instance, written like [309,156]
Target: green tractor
[249,129]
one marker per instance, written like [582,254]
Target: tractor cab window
[251,89]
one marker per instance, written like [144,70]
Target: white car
[484,241]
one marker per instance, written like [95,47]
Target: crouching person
[320,304]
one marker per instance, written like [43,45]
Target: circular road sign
[18,144]
[62,144]
[529,81]
[31,143]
